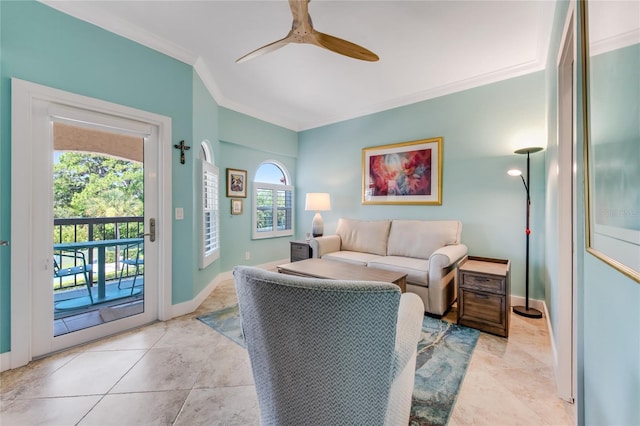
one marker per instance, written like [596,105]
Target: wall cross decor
[182,147]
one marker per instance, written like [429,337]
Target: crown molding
[447,89]
[84,11]
[616,42]
[108,22]
[207,79]
[261,115]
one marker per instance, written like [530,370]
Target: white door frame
[31,102]
[565,336]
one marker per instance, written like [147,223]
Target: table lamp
[317,201]
[526,311]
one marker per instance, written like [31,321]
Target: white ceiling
[426,49]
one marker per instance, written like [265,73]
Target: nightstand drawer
[483,307]
[483,283]
[300,251]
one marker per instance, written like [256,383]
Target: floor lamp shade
[317,201]
[526,311]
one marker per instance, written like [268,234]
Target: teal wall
[481,128]
[42,45]
[240,129]
[205,129]
[245,143]
[47,47]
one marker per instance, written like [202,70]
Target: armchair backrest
[321,350]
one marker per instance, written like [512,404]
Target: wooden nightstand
[300,250]
[484,294]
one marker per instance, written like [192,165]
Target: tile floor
[181,372]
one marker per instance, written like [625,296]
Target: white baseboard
[5,361]
[191,305]
[552,340]
[533,303]
[178,309]
[550,329]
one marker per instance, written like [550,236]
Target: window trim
[288,187]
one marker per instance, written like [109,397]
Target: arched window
[210,237]
[273,201]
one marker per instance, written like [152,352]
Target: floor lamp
[526,311]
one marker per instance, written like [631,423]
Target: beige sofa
[428,251]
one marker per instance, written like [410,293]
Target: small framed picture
[236,183]
[236,206]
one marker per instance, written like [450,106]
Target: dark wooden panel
[484,294]
[300,250]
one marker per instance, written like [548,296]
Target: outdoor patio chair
[128,259]
[79,267]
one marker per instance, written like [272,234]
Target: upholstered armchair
[329,352]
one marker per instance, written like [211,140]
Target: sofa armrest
[323,245]
[447,255]
[408,330]
[442,277]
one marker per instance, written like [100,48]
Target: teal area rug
[444,352]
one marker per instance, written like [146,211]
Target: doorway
[38,112]
[565,363]
[98,226]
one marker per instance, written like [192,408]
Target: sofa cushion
[417,270]
[367,236]
[353,257]
[420,238]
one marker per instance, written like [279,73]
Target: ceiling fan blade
[265,49]
[344,47]
[302,31]
[300,12]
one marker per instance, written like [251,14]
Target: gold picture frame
[236,206]
[236,183]
[403,173]
[611,136]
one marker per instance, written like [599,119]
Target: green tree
[113,202]
[93,185]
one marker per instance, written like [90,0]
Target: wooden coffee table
[334,270]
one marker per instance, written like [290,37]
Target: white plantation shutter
[210,214]
[273,214]
[273,202]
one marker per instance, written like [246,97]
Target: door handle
[4,243]
[152,230]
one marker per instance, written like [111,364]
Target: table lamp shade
[317,201]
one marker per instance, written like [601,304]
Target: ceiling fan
[302,31]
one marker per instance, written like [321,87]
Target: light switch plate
[179,213]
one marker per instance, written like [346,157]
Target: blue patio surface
[71,302]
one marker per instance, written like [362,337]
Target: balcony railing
[69,230]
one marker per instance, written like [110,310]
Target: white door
[36,109]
